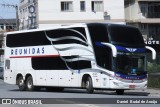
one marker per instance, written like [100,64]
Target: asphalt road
[12,91]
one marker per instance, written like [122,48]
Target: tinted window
[48,63]
[56,63]
[67,36]
[39,37]
[80,64]
[7,64]
[27,39]
[130,64]
[98,33]
[125,35]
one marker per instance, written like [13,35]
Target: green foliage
[153,81]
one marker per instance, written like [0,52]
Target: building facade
[145,14]
[48,13]
[6,25]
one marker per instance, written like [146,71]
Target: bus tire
[119,91]
[29,84]
[89,85]
[21,83]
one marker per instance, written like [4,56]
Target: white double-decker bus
[91,56]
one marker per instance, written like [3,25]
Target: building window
[67,6]
[1,26]
[97,6]
[82,6]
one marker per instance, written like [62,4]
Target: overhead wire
[4,11]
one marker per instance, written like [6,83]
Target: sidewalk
[153,92]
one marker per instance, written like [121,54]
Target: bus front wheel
[89,85]
[21,84]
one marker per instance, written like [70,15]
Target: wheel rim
[21,82]
[29,84]
[87,84]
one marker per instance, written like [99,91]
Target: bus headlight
[145,85]
[143,80]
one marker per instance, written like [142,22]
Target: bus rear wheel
[29,84]
[21,84]
[119,91]
[89,85]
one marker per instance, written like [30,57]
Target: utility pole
[17,17]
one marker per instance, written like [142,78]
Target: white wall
[51,10]
[135,11]
[115,8]
[132,12]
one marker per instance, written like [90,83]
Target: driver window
[7,64]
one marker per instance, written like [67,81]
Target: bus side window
[7,64]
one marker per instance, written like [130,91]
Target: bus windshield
[117,35]
[130,64]
[125,35]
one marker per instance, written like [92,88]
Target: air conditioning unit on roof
[106,13]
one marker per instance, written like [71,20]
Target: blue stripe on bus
[124,49]
[100,44]
[130,77]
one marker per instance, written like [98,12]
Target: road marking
[154,95]
[88,105]
[84,105]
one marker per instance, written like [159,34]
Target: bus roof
[46,29]
[57,27]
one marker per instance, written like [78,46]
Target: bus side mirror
[114,49]
[153,52]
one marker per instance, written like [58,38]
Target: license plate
[132,86]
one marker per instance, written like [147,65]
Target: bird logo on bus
[131,49]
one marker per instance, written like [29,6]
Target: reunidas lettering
[27,51]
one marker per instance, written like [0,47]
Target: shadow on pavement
[83,91]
